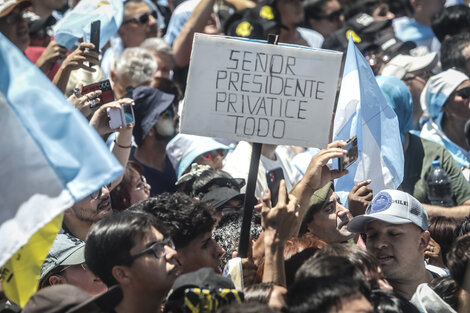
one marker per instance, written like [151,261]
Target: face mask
[165,129]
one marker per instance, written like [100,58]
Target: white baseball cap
[394,207]
[402,64]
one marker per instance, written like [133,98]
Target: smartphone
[120,117]
[107,94]
[95,35]
[346,160]
[274,177]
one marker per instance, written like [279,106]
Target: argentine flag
[50,159]
[363,111]
[76,23]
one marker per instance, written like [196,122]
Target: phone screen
[351,156]
[274,177]
[128,114]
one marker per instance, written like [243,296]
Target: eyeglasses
[83,266]
[463,93]
[332,17]
[97,194]
[141,19]
[13,18]
[157,249]
[142,183]
[209,156]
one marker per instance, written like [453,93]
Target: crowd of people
[164,236]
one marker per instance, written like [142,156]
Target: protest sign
[249,90]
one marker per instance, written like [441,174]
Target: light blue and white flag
[50,156]
[76,23]
[363,111]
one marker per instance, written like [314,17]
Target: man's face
[79,275]
[291,11]
[164,64]
[331,19]
[92,210]
[202,251]
[149,274]
[15,28]
[133,31]
[330,222]
[399,248]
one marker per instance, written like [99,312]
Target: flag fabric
[363,111]
[76,23]
[50,156]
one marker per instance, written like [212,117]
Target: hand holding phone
[351,147]
[274,177]
[120,117]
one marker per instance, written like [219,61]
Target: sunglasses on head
[141,19]
[463,93]
[209,156]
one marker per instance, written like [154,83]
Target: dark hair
[359,6]
[227,233]
[313,9]
[442,230]
[330,266]
[185,216]
[208,180]
[447,289]
[109,241]
[451,21]
[388,302]
[259,293]
[321,294]
[452,52]
[358,256]
[247,308]
[120,195]
[458,259]
[463,228]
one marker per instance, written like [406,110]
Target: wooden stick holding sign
[250,199]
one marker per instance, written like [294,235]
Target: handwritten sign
[250,90]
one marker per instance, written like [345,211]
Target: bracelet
[124,147]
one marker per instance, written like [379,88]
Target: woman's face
[139,189]
[457,106]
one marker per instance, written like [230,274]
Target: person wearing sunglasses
[12,24]
[79,218]
[184,150]
[138,24]
[132,249]
[65,264]
[446,98]
[324,16]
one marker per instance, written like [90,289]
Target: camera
[346,160]
[120,117]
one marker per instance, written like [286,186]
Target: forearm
[274,270]
[182,45]
[303,193]
[121,150]
[61,79]
[458,212]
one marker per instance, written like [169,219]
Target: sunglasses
[141,19]
[463,93]
[97,194]
[209,156]
[332,17]
[157,249]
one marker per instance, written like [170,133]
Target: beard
[90,215]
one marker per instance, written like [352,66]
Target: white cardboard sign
[258,92]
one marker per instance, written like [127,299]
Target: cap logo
[389,43]
[365,19]
[266,12]
[244,29]
[355,37]
[380,203]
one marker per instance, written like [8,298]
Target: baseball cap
[218,197]
[316,202]
[365,24]
[403,64]
[65,298]
[394,207]
[6,6]
[149,104]
[183,149]
[65,250]
[391,45]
